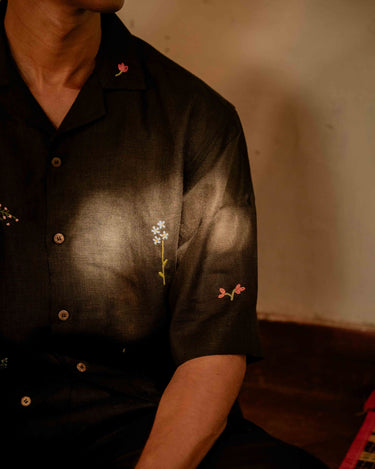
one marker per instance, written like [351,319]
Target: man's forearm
[193,412]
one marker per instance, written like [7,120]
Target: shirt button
[63,315]
[56,162]
[58,238]
[25,401]
[81,367]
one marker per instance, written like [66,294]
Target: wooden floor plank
[311,387]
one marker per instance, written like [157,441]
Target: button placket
[59,314]
[54,180]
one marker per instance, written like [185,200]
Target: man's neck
[54,45]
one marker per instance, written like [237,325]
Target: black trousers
[242,445]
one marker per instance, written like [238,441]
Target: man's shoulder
[172,78]
[192,108]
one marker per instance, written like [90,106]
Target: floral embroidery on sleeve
[6,217]
[159,238]
[237,290]
[123,69]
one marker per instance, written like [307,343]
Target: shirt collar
[118,46]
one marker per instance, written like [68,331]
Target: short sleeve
[213,294]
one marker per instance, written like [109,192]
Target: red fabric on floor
[361,454]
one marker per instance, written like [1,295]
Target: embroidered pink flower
[238,290]
[6,215]
[123,69]
[222,293]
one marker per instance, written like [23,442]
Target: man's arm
[193,411]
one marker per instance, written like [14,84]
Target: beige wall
[301,74]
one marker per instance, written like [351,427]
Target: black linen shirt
[135,245]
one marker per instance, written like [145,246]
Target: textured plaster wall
[301,74]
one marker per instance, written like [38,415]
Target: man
[128,284]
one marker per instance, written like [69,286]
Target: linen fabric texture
[134,216]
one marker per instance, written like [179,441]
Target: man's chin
[101,6]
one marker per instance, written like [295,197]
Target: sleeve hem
[251,357]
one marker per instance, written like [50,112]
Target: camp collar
[118,62]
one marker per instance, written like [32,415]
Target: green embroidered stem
[159,238]
[118,74]
[4,362]
[231,295]
[163,262]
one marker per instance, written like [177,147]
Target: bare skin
[193,411]
[54,43]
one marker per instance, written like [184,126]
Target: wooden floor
[311,386]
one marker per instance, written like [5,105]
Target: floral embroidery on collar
[159,238]
[6,217]
[123,69]
[237,290]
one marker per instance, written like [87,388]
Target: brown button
[81,367]
[58,238]
[56,162]
[25,401]
[63,315]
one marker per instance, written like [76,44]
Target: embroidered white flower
[159,238]
[156,240]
